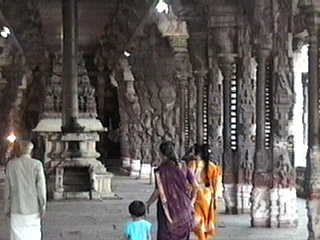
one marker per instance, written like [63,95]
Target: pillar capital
[263,46]
[309,5]
[311,12]
[200,74]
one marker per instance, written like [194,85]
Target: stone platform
[104,220]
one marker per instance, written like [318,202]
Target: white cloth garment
[25,227]
[25,197]
[25,188]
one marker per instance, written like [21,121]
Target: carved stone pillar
[178,41]
[198,50]
[130,112]
[223,30]
[262,178]
[182,83]
[283,208]
[143,71]
[273,196]
[228,155]
[200,77]
[311,10]
[215,111]
[70,63]
[245,118]
[193,103]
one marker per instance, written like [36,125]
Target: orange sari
[206,204]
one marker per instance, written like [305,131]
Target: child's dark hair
[137,209]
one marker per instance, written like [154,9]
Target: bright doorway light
[11,138]
[127,54]
[162,7]
[300,114]
[5,32]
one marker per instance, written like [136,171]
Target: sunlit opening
[127,54]
[11,138]
[162,7]
[300,120]
[5,32]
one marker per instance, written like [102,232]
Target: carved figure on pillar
[130,112]
[215,112]
[177,34]
[245,118]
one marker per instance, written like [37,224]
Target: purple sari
[174,204]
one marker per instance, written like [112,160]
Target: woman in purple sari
[172,192]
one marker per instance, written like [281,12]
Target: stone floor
[93,220]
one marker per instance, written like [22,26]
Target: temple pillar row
[311,10]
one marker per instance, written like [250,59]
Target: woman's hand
[154,196]
[148,207]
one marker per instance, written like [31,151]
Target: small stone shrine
[73,175]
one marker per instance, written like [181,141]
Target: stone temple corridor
[104,220]
[96,86]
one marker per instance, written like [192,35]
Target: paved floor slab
[95,220]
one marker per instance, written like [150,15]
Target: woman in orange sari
[209,177]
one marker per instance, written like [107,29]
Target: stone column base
[313,206]
[243,198]
[260,209]
[230,198]
[135,168]
[146,170]
[275,207]
[283,209]
[126,163]
[102,184]
[100,181]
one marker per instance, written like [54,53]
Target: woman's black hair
[197,149]
[167,149]
[206,152]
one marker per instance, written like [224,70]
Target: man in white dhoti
[25,195]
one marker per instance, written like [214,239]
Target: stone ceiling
[37,25]
[92,19]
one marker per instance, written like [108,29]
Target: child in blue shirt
[138,228]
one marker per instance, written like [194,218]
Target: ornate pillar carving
[274,195]
[200,79]
[198,49]
[177,34]
[142,68]
[261,18]
[130,112]
[215,110]
[246,118]
[224,33]
[283,209]
[262,175]
[311,9]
